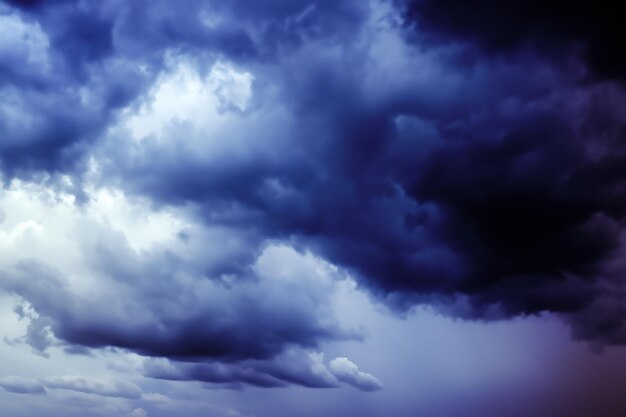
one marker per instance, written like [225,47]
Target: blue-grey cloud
[73,66]
[187,302]
[291,367]
[427,166]
[346,371]
[495,185]
[187,315]
[113,388]
[18,385]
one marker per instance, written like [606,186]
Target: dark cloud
[33,4]
[432,170]
[50,112]
[157,305]
[94,59]
[219,324]
[548,26]
[290,367]
[467,198]
[496,179]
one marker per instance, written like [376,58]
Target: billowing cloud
[346,371]
[72,66]
[190,183]
[165,296]
[298,367]
[554,28]
[187,316]
[291,367]
[496,187]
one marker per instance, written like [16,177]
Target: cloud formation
[18,385]
[432,152]
[114,388]
[552,27]
[297,367]
[177,294]
[346,371]
[500,186]
[181,304]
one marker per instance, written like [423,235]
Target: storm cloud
[180,313]
[465,156]
[302,368]
[466,175]
[554,29]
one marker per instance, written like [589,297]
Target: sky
[278,208]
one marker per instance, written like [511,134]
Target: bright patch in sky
[186,97]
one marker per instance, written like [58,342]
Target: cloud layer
[250,156]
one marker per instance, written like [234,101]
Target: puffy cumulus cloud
[188,112]
[191,315]
[181,98]
[199,294]
[348,372]
[18,385]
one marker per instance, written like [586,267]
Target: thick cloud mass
[498,185]
[166,289]
[450,153]
[549,26]
[73,65]
[291,367]
[185,316]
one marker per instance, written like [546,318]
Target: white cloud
[348,372]
[184,95]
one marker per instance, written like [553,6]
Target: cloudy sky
[278,208]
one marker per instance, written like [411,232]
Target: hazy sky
[312,208]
